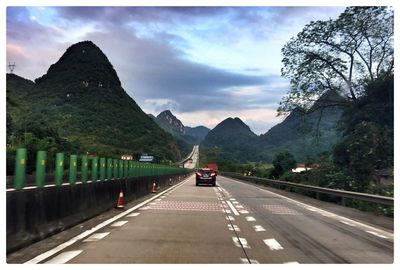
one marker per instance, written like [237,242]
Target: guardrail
[318,190]
[188,157]
[92,169]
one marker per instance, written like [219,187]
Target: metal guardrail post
[72,169]
[59,169]
[115,166]
[102,169]
[95,165]
[84,169]
[41,158]
[109,168]
[20,168]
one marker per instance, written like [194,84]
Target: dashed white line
[246,261]
[235,212]
[235,202]
[133,214]
[258,228]
[65,257]
[273,244]
[239,242]
[233,228]
[232,199]
[119,223]
[230,218]
[250,219]
[243,211]
[96,237]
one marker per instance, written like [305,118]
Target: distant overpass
[192,160]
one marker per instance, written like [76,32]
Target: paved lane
[231,223]
[305,233]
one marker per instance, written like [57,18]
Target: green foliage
[80,106]
[321,58]
[283,162]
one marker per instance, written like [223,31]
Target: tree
[338,55]
[283,161]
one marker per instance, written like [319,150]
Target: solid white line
[294,262]
[376,234]
[324,212]
[73,240]
[119,223]
[25,188]
[347,223]
[250,219]
[273,244]
[133,215]
[233,208]
[64,257]
[96,237]
[258,228]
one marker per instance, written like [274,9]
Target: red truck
[213,166]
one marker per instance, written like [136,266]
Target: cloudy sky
[203,63]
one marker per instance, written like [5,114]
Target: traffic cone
[154,190]
[120,203]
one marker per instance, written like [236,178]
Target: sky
[203,63]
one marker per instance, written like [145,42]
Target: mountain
[301,133]
[233,139]
[170,123]
[305,133]
[199,132]
[81,98]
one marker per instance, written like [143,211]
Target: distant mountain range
[170,123]
[82,100]
[301,133]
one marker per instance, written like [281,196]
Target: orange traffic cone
[120,203]
[154,190]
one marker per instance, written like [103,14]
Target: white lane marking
[239,206]
[65,257]
[246,261]
[243,211]
[73,240]
[220,189]
[376,234]
[239,242]
[96,237]
[294,262]
[250,219]
[119,223]
[152,203]
[232,199]
[324,212]
[235,202]
[347,223]
[133,214]
[162,197]
[258,228]
[228,211]
[157,200]
[230,218]
[235,212]
[273,244]
[311,209]
[233,228]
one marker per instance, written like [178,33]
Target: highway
[233,222]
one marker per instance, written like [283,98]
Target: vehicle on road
[206,176]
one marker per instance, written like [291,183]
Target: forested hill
[81,101]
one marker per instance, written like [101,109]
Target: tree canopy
[340,55]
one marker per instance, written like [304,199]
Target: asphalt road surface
[233,222]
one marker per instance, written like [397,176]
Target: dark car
[206,176]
